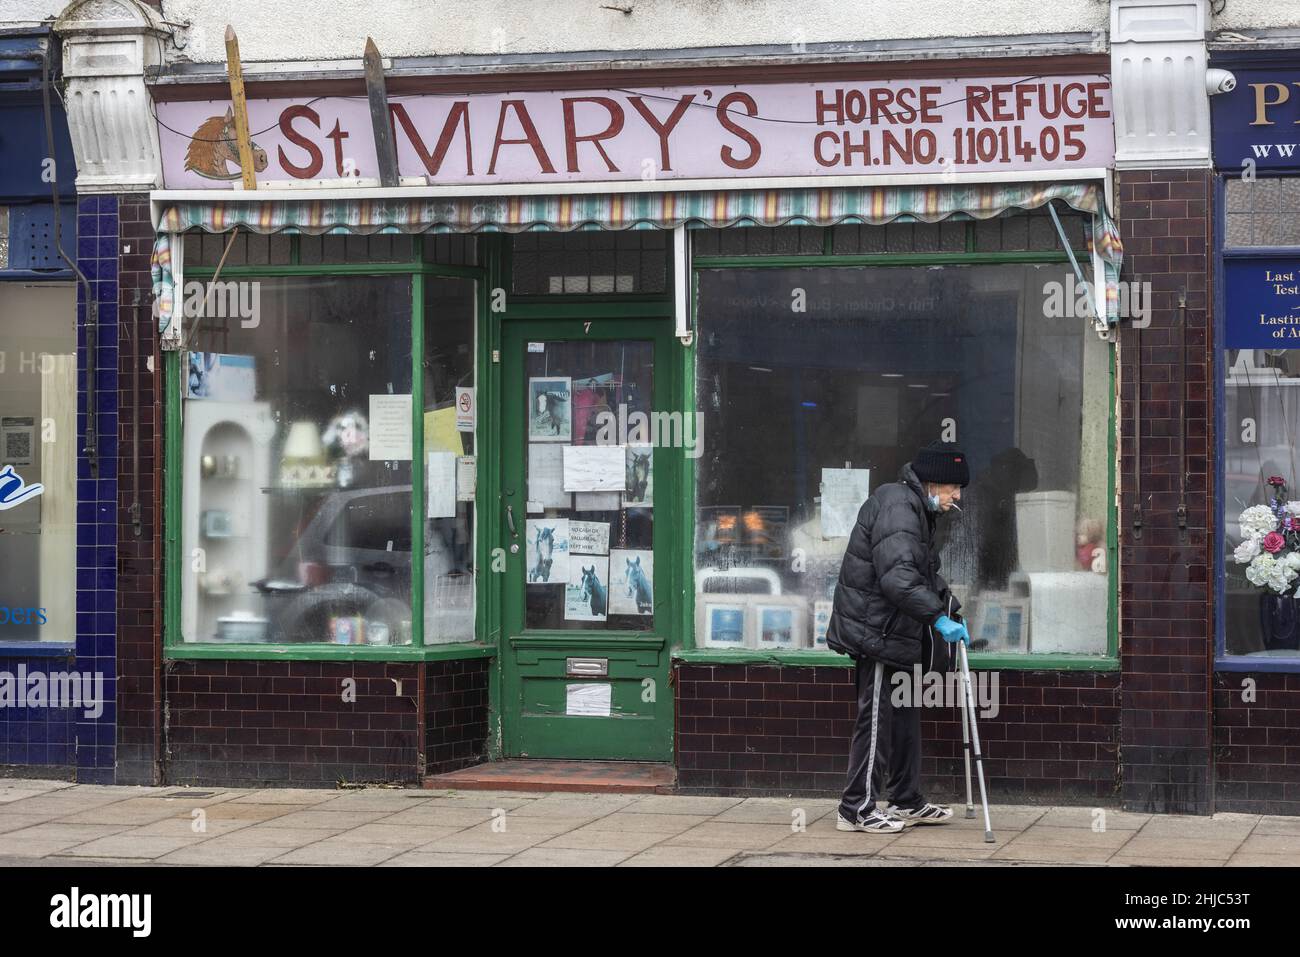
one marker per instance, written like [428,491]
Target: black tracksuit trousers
[885,753]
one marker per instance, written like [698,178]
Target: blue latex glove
[952,631]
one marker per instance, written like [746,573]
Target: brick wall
[1257,743]
[456,714]
[263,723]
[1165,577]
[139,571]
[767,729]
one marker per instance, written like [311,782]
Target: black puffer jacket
[890,591]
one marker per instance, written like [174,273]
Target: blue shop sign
[1259,121]
[1263,303]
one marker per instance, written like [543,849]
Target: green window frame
[809,657]
[174,647]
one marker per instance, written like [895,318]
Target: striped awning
[872,206]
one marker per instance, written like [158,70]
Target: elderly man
[890,601]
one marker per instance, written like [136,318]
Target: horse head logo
[13,490]
[214,147]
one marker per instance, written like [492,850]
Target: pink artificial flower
[1273,543]
[1276,481]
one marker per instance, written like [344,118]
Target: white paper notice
[589,538]
[596,501]
[390,428]
[592,700]
[466,477]
[440,487]
[595,468]
[843,492]
[466,410]
[546,476]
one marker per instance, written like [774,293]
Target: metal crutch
[965,745]
[975,739]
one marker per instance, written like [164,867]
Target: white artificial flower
[1258,520]
[1261,569]
[1292,561]
[1247,550]
[1293,508]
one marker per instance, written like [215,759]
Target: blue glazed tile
[87,491]
[91,268]
[88,227]
[85,622]
[87,534]
[105,601]
[108,317]
[86,512]
[108,401]
[106,556]
[107,247]
[87,247]
[105,734]
[108,224]
[108,270]
[108,204]
[83,467]
[107,490]
[86,578]
[104,578]
[105,623]
[87,204]
[108,447]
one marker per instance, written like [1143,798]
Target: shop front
[1257,366]
[551,450]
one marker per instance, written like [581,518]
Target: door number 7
[586,327]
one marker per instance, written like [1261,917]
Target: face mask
[933,502]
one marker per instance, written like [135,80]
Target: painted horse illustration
[214,147]
[638,586]
[543,549]
[593,591]
[638,475]
[549,417]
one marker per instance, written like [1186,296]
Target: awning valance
[830,206]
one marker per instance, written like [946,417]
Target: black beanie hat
[942,463]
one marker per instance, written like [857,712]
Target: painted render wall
[273,29]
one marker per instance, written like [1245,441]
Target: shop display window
[38,462]
[818,384]
[296,465]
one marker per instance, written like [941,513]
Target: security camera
[1219,81]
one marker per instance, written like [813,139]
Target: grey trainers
[877,822]
[925,814]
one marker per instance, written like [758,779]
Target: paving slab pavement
[54,822]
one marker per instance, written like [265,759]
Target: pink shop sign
[677,134]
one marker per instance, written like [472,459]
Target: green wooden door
[589,506]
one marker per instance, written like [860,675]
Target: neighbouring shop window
[596,262]
[38,465]
[451,464]
[818,384]
[296,464]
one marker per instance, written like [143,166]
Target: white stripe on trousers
[875,729]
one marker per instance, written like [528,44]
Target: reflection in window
[805,412]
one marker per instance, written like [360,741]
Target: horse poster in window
[631,582]
[550,409]
[640,477]
[548,551]
[586,596]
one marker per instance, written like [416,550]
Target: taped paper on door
[390,428]
[843,492]
[589,538]
[595,468]
[595,501]
[593,700]
[546,476]
[466,477]
[631,582]
[440,431]
[440,486]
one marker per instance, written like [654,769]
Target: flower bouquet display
[1270,548]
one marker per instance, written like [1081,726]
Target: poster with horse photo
[640,491]
[550,409]
[631,582]
[586,597]
[548,551]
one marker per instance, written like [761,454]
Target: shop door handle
[510,520]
